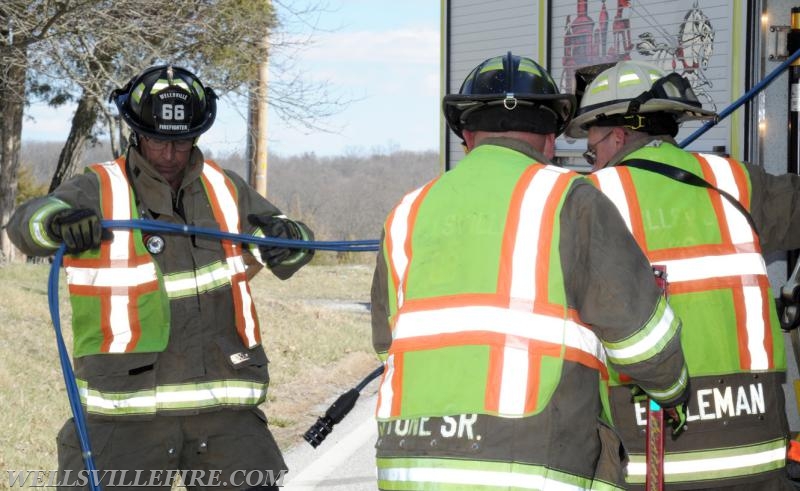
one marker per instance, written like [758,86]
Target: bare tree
[23,23]
[80,50]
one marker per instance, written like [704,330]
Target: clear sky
[383,55]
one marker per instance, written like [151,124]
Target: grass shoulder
[315,330]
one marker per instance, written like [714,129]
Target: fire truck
[737,56]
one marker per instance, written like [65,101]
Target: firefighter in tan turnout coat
[167,347]
[503,292]
[706,219]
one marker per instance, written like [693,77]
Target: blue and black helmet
[509,93]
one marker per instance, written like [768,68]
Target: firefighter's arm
[71,214]
[381,331]
[611,285]
[261,218]
[282,261]
[775,208]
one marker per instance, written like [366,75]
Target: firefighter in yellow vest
[167,347]
[707,219]
[503,292]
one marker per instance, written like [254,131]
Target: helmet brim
[579,126]
[455,106]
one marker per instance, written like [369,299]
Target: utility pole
[257,115]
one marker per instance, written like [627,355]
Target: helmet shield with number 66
[166,102]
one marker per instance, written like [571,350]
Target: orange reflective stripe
[397,383]
[766,304]
[740,177]
[389,243]
[525,253]
[714,284]
[794,450]
[741,327]
[546,242]
[716,202]
[687,252]
[634,207]
[412,218]
[105,323]
[220,188]
[88,290]
[494,377]
[535,353]
[398,238]
[461,300]
[510,236]
[480,299]
[615,183]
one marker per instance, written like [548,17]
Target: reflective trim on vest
[172,397]
[708,267]
[112,276]
[526,248]
[736,263]
[119,275]
[38,222]
[517,322]
[648,341]
[455,474]
[201,280]
[424,325]
[714,464]
[739,228]
[396,240]
[226,212]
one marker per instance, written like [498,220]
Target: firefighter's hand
[79,229]
[280,227]
[638,395]
[676,418]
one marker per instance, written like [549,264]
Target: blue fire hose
[746,97]
[73,392]
[66,370]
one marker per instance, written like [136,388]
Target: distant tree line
[340,198]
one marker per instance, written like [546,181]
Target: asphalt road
[346,459]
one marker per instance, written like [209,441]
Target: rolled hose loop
[156,226]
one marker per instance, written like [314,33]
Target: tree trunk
[12,96]
[79,133]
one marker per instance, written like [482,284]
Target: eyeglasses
[591,149]
[178,145]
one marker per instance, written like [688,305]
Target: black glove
[79,229]
[280,227]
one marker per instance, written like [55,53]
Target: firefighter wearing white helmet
[491,382]
[167,344]
[706,218]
